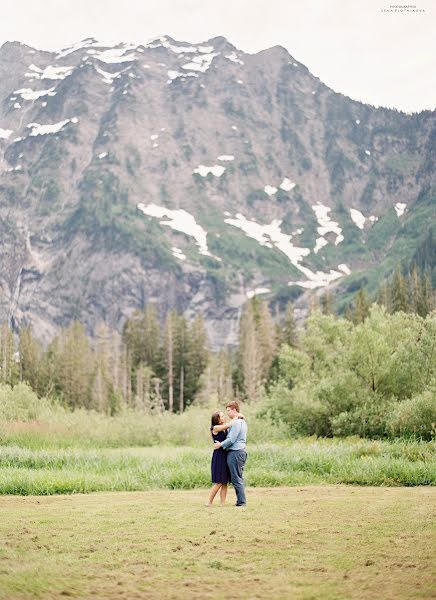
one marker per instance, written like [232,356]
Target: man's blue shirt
[237,436]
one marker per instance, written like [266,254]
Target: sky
[357,47]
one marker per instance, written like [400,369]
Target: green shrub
[415,417]
[20,403]
[366,420]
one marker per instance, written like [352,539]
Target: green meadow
[301,542]
[114,508]
[29,471]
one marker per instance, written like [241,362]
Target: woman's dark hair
[215,419]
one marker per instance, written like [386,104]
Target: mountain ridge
[270,168]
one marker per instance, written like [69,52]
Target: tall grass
[89,429]
[40,472]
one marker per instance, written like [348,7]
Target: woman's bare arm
[222,427]
[225,426]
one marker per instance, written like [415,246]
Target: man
[236,454]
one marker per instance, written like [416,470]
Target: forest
[370,372]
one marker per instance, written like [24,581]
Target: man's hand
[217,445]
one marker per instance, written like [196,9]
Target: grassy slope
[325,542]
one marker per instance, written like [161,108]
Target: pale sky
[383,58]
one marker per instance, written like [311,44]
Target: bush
[20,403]
[415,417]
[366,420]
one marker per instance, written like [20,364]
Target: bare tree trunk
[182,381]
[170,357]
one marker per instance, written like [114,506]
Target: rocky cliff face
[194,176]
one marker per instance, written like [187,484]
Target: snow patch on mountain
[49,72]
[326,224]
[107,77]
[256,292]
[270,190]
[344,268]
[269,235]
[318,279]
[178,253]
[28,94]
[204,171]
[234,58]
[400,207]
[357,217]
[87,43]
[226,157]
[179,220]
[173,75]
[5,133]
[38,129]
[114,55]
[287,185]
[200,63]
[320,243]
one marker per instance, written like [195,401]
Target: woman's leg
[213,492]
[223,493]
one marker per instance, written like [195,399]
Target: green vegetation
[373,379]
[106,217]
[306,542]
[30,471]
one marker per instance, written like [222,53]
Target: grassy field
[328,542]
[30,471]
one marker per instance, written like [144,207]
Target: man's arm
[233,434]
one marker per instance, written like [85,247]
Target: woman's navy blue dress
[219,468]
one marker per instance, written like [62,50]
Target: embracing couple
[229,455]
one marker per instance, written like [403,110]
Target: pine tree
[31,354]
[416,292]
[75,366]
[383,296]
[398,292]
[362,306]
[289,329]
[102,377]
[196,358]
[249,352]
[348,314]
[180,359]
[266,335]
[9,357]
[169,352]
[428,295]
[326,303]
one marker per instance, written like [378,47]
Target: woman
[219,468]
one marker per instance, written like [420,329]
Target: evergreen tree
[74,366]
[398,292]
[416,292]
[326,303]
[31,354]
[197,358]
[266,334]
[9,357]
[249,352]
[362,306]
[169,355]
[383,296]
[289,329]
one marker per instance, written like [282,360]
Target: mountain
[195,176]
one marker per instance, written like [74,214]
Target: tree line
[165,365]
